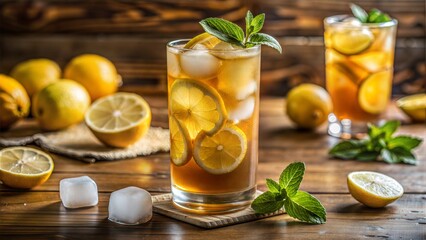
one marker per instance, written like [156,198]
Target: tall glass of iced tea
[359,70]
[213,97]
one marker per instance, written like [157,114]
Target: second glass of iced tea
[359,70]
[213,97]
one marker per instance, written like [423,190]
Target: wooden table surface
[39,214]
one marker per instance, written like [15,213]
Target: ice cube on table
[199,64]
[78,192]
[130,206]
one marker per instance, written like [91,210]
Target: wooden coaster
[163,205]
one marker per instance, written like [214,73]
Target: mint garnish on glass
[232,33]
[379,145]
[298,204]
[374,16]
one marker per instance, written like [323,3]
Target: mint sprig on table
[298,204]
[374,16]
[232,33]
[379,145]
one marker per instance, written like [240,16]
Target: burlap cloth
[78,142]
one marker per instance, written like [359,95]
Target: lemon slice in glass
[197,106]
[119,120]
[24,167]
[350,42]
[180,147]
[414,106]
[374,92]
[374,189]
[222,152]
[203,40]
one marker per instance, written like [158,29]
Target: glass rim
[173,44]
[333,21]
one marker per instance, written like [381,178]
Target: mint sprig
[232,33]
[374,16]
[379,145]
[298,204]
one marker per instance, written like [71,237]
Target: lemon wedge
[353,41]
[180,147]
[24,167]
[414,106]
[374,189]
[222,152]
[197,106]
[374,93]
[119,120]
[204,39]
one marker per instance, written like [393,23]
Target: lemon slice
[352,42]
[205,39]
[374,93]
[119,120]
[197,106]
[180,147]
[414,106]
[374,189]
[24,167]
[222,152]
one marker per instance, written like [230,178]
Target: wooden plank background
[133,34]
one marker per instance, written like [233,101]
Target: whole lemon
[308,105]
[96,73]
[14,102]
[35,74]
[60,105]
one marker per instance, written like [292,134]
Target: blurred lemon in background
[60,105]
[96,73]
[14,102]
[308,105]
[414,106]
[35,74]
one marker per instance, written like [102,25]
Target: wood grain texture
[133,34]
[39,214]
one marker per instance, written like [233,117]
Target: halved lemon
[374,92]
[414,106]
[374,189]
[24,167]
[197,106]
[119,120]
[204,39]
[180,147]
[222,152]
[352,41]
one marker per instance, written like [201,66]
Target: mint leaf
[359,13]
[404,155]
[265,39]
[291,177]
[377,16]
[347,149]
[389,128]
[249,19]
[273,186]
[305,207]
[406,142]
[388,156]
[257,23]
[267,203]
[224,30]
[368,156]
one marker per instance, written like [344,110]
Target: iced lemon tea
[359,67]
[213,97]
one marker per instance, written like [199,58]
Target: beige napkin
[78,142]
